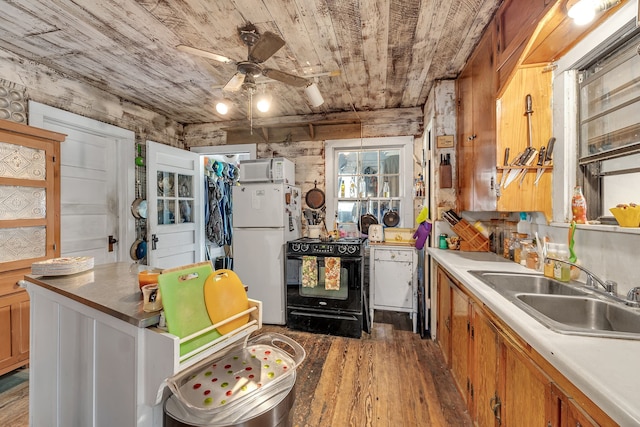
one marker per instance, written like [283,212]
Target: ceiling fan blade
[204,53]
[235,83]
[281,76]
[268,44]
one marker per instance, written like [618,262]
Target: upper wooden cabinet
[515,22]
[29,226]
[510,62]
[476,148]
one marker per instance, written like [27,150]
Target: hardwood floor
[390,377]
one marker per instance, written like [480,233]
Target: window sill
[599,227]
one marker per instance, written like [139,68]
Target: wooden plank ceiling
[386,53]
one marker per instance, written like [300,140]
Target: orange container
[147,277]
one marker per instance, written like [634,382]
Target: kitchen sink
[585,312]
[569,308]
[509,283]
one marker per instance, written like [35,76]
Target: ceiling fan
[260,47]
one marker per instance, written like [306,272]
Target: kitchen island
[95,358]
[603,369]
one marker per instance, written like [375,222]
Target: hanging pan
[139,205]
[315,197]
[366,220]
[391,218]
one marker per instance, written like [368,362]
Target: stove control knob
[304,247]
[352,249]
[295,247]
[342,249]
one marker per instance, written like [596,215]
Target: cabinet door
[393,284]
[525,390]
[476,148]
[576,417]
[460,339]
[486,350]
[14,331]
[444,315]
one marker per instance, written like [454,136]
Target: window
[609,126]
[369,176]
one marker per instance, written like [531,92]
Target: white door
[175,220]
[96,184]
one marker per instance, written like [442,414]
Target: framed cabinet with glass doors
[29,226]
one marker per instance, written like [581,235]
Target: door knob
[112,241]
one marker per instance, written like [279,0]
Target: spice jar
[509,234]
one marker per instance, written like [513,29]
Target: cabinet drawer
[393,255]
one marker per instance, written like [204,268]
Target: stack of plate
[62,266]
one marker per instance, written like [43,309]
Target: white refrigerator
[265,216]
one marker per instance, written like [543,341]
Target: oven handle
[326,316]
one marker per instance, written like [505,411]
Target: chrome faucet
[633,297]
[609,286]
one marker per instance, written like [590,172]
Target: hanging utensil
[528,112]
[139,159]
[315,197]
[528,163]
[520,160]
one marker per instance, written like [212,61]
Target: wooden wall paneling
[460,340]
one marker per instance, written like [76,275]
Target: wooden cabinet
[460,339]
[515,22]
[476,148]
[498,374]
[443,328]
[29,226]
[394,277]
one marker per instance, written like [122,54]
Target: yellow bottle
[342,188]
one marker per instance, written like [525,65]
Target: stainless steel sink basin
[509,283]
[569,308]
[585,312]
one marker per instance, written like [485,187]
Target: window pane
[609,102]
[617,189]
[347,163]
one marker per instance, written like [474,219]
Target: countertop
[110,288]
[604,369]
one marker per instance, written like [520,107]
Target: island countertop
[602,368]
[110,288]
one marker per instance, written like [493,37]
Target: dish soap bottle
[342,188]
[579,206]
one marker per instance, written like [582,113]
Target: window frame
[566,172]
[402,143]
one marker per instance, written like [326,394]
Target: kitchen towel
[309,272]
[332,273]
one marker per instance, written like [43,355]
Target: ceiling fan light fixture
[313,95]
[263,102]
[223,106]
[584,11]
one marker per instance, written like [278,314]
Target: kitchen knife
[518,161]
[528,162]
[505,163]
[547,159]
[541,157]
[550,145]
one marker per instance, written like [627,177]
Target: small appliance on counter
[376,233]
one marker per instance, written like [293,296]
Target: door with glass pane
[368,182]
[175,185]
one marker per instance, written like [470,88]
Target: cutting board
[182,291]
[224,296]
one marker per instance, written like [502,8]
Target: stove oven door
[308,287]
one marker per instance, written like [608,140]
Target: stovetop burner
[340,247]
